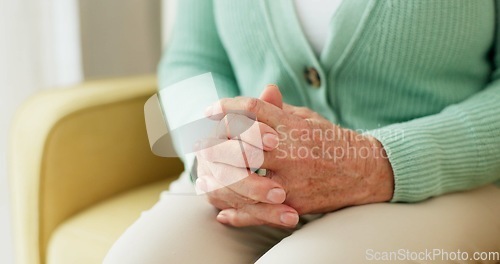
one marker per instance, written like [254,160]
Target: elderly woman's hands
[237,187]
[321,167]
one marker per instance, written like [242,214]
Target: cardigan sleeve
[454,150]
[195,48]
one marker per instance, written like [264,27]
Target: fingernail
[276,195]
[289,218]
[270,140]
[222,217]
[208,111]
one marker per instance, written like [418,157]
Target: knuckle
[238,204]
[222,103]
[251,105]
[254,195]
[221,128]
[309,123]
[303,108]
[304,111]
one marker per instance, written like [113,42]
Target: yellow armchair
[81,170]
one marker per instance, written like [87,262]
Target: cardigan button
[312,77]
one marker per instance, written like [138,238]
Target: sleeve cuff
[429,156]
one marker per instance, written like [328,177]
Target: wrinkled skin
[313,165]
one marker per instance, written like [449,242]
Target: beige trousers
[181,228]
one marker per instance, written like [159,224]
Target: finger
[299,111]
[261,136]
[227,175]
[203,187]
[302,112]
[260,214]
[251,107]
[289,109]
[222,197]
[231,152]
[233,124]
[251,189]
[272,95]
[257,134]
[221,200]
[203,171]
[235,153]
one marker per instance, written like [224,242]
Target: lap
[181,228]
[466,221]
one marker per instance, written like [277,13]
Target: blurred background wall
[119,37]
[55,43]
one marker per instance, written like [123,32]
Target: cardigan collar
[345,28]
[295,52]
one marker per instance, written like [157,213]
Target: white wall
[39,49]
[169,9]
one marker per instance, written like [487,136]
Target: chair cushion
[86,237]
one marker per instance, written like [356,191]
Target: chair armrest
[71,148]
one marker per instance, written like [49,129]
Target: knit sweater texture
[423,77]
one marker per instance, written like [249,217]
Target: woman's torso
[383,61]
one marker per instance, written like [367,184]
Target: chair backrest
[73,148]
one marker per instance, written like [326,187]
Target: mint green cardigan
[421,76]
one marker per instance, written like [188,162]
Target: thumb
[272,95]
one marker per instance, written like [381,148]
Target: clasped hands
[313,166]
